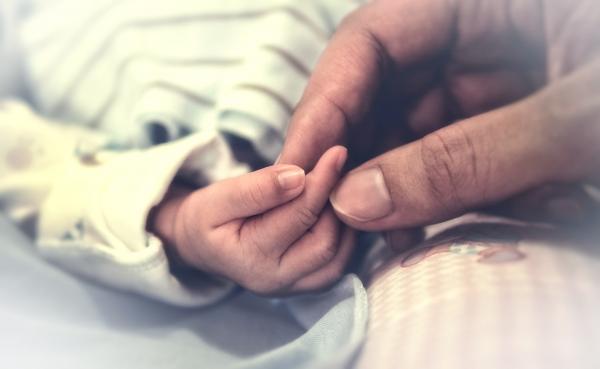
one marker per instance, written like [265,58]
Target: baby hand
[271,231]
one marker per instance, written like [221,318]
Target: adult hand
[520,79]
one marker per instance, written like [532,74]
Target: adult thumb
[472,163]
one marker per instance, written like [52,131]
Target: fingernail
[565,209]
[363,196]
[291,178]
[277,160]
[341,161]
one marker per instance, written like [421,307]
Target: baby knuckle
[263,278]
[307,216]
[335,274]
[265,285]
[332,275]
[254,196]
[254,237]
[327,249]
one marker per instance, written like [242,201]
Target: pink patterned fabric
[487,294]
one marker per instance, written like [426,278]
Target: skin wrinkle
[339,110]
[330,272]
[487,172]
[330,244]
[447,169]
[327,249]
[307,216]
[97,56]
[361,106]
[473,160]
[331,250]
[382,57]
[254,238]
[436,157]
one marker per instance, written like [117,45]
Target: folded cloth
[185,65]
[51,319]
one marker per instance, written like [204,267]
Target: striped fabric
[126,66]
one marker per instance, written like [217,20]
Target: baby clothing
[131,95]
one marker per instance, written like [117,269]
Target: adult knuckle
[436,162]
[451,169]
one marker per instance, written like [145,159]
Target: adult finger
[338,94]
[549,137]
[352,69]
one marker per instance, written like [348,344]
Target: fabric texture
[488,293]
[128,96]
[90,210]
[122,66]
[51,319]
[110,81]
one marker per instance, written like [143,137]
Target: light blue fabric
[51,319]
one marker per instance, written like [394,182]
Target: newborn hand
[271,231]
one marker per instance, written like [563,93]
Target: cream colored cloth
[185,65]
[91,204]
